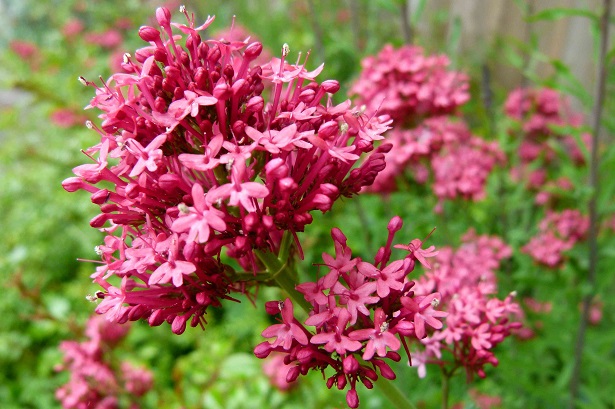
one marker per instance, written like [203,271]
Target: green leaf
[559,13]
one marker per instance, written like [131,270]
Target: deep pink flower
[286,332]
[379,337]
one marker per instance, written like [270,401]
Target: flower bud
[293,374]
[330,86]
[395,224]
[350,364]
[262,350]
[352,399]
[149,34]
[163,15]
[328,129]
[252,51]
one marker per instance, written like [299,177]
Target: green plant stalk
[394,395]
[445,388]
[575,379]
[282,275]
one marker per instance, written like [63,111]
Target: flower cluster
[361,314]
[545,120]
[408,85]
[94,379]
[418,91]
[558,232]
[193,160]
[458,161]
[477,320]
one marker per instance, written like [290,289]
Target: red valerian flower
[198,160]
[359,320]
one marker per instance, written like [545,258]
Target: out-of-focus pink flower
[484,401]
[277,371]
[95,378]
[558,233]
[109,39]
[65,118]
[72,28]
[545,118]
[408,85]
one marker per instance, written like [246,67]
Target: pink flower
[200,219]
[286,332]
[379,337]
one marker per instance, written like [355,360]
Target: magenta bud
[252,51]
[276,169]
[179,324]
[293,374]
[341,381]
[262,350]
[328,129]
[368,384]
[172,72]
[393,356]
[395,224]
[330,86]
[238,127]
[222,91]
[163,15]
[370,373]
[99,221]
[149,34]
[203,298]
[240,87]
[330,382]
[352,399]
[72,184]
[273,307]
[307,95]
[169,182]
[287,185]
[160,55]
[385,369]
[255,104]
[228,72]
[251,222]
[100,197]
[156,319]
[350,364]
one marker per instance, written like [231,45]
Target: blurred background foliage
[45,230]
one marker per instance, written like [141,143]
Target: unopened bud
[163,15]
[149,34]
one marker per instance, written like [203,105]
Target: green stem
[281,273]
[445,388]
[594,183]
[394,395]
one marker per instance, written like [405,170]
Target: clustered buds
[194,159]
[96,380]
[558,232]
[477,320]
[361,314]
